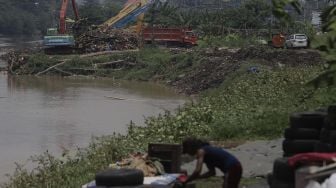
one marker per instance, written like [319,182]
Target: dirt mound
[212,71]
[272,57]
[217,64]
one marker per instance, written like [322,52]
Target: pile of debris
[15,59]
[274,57]
[212,71]
[103,39]
[216,64]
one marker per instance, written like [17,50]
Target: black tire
[282,171]
[325,135]
[273,182]
[332,109]
[332,148]
[298,146]
[281,184]
[323,147]
[269,179]
[312,120]
[330,123]
[302,134]
[288,154]
[332,137]
[119,177]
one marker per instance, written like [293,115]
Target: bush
[230,40]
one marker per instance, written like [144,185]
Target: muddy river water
[54,113]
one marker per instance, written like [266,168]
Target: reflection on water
[5,42]
[55,113]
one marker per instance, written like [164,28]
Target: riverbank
[249,95]
[190,71]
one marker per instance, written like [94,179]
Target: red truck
[177,36]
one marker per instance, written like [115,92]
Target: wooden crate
[168,154]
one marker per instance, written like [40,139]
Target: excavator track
[61,50]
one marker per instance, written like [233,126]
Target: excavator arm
[129,13]
[62,24]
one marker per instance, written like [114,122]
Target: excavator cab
[52,31]
[53,39]
[59,37]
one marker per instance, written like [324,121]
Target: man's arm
[199,164]
[211,172]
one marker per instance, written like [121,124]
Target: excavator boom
[129,13]
[62,24]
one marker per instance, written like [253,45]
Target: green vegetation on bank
[248,105]
[149,63]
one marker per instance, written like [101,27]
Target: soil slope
[219,63]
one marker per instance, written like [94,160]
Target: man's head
[191,145]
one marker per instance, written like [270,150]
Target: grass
[150,62]
[230,40]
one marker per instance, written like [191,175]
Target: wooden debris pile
[102,39]
[15,59]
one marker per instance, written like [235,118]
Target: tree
[97,13]
[24,17]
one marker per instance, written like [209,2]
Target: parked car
[296,41]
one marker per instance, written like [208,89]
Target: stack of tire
[302,136]
[328,132]
[304,132]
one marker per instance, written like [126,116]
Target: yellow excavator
[134,10]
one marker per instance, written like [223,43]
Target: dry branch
[107,53]
[48,69]
[109,63]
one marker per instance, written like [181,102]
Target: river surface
[54,113]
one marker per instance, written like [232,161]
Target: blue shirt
[215,157]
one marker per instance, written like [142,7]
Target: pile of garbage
[103,39]
[141,162]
